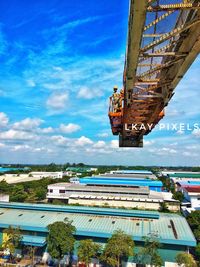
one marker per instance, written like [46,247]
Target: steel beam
[173,7]
[136,24]
[171,34]
[154,22]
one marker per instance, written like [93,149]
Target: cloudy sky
[58,63]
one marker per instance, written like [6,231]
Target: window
[50,190]
[61,191]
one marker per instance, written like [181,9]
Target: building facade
[171,230]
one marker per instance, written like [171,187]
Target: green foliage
[60,239]
[197,252]
[4,187]
[166,183]
[118,246]
[163,207]
[149,253]
[18,194]
[178,196]
[13,239]
[28,191]
[193,220]
[185,259]
[40,193]
[87,250]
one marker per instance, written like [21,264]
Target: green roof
[185,175]
[102,226]
[78,169]
[82,210]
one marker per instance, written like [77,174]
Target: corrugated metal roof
[102,225]
[112,181]
[133,171]
[188,183]
[38,241]
[192,189]
[185,175]
[81,210]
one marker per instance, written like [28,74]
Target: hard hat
[115,87]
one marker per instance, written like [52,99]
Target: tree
[60,239]
[40,193]
[186,260]
[18,194]
[31,252]
[163,207]
[197,252]
[87,250]
[119,245]
[193,220]
[149,253]
[178,196]
[12,240]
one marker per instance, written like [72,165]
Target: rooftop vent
[174,229]
[89,220]
[113,222]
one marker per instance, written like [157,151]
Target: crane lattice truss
[163,41]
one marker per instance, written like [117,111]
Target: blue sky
[59,62]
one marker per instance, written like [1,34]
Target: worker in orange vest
[115,99]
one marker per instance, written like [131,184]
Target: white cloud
[148,143]
[60,140]
[30,83]
[190,154]
[87,93]
[3,119]
[82,141]
[28,124]
[99,144]
[21,147]
[57,101]
[114,144]
[2,145]
[17,135]
[196,133]
[69,128]
[46,130]
[180,132]
[102,135]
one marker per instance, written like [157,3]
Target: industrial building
[137,197]
[127,182]
[171,230]
[144,172]
[138,174]
[53,175]
[191,192]
[180,174]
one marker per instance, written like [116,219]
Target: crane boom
[155,63]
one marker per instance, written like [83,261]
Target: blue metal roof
[37,241]
[98,225]
[107,178]
[111,181]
